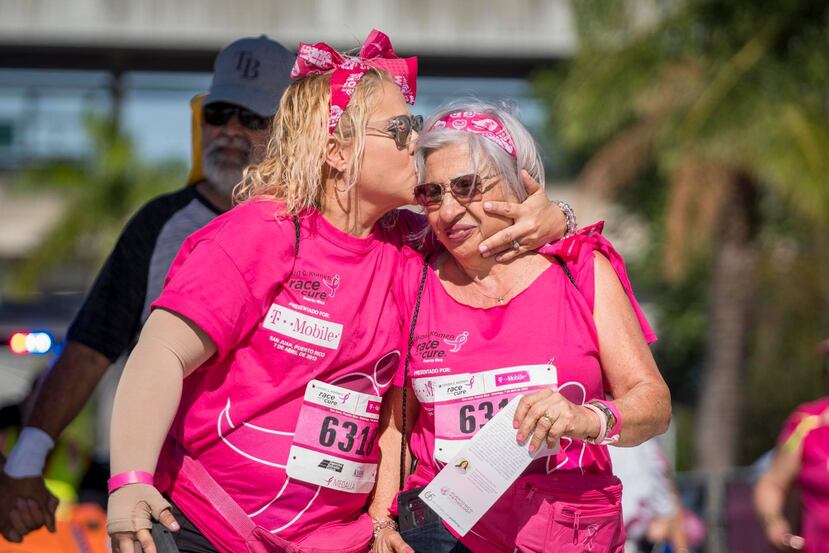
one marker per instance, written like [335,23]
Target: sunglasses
[220,113]
[464,188]
[400,129]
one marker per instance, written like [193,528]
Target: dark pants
[430,538]
[433,538]
[189,539]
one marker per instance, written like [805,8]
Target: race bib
[335,444]
[464,403]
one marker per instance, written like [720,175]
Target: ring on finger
[516,244]
[547,418]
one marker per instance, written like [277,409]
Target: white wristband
[28,457]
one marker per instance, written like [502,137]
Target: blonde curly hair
[293,169]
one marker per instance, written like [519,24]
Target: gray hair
[485,154]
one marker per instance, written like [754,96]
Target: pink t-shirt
[813,478]
[284,416]
[467,362]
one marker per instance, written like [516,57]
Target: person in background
[249,78]
[651,508]
[801,457]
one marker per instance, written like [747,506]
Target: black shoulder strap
[566,271]
[404,437]
[296,230]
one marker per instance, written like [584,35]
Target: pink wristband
[610,435]
[617,428]
[600,437]
[129,477]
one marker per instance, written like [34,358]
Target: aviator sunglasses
[400,129]
[220,113]
[464,188]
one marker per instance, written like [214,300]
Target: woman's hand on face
[388,540]
[548,416]
[536,222]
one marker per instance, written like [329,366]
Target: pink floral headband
[479,123]
[377,52]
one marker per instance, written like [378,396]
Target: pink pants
[556,513]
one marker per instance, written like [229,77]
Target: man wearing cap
[249,78]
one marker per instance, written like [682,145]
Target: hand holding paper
[480,473]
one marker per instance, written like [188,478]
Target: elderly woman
[260,371]
[564,318]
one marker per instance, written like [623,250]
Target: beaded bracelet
[380,525]
[569,217]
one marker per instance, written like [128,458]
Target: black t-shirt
[132,277]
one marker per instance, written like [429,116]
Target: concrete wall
[497,28]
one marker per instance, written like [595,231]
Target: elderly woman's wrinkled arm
[638,389]
[635,384]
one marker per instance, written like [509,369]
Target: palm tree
[101,193]
[727,101]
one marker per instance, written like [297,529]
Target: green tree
[725,101]
[100,193]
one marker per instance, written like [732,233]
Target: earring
[336,183]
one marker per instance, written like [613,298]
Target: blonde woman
[252,398]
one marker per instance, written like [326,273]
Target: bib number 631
[470,415]
[349,434]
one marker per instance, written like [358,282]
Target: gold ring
[549,419]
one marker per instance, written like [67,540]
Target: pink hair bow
[377,52]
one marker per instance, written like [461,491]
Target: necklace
[478,286]
[500,299]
